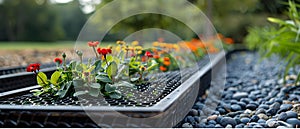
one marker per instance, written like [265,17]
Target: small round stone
[282,116]
[228,126]
[236,107]
[279,100]
[239,95]
[218,126]
[261,110]
[222,111]
[261,121]
[271,112]
[197,119]
[244,115]
[193,112]
[212,122]
[210,126]
[254,118]
[291,114]
[263,116]
[242,104]
[219,118]
[190,119]
[228,120]
[251,106]
[287,125]
[187,125]
[293,121]
[240,126]
[213,117]
[272,123]
[264,106]
[275,106]
[200,125]
[257,126]
[245,120]
[247,111]
[285,107]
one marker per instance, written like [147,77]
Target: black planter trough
[20,109]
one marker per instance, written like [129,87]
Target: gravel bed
[254,97]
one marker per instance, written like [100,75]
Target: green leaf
[38,93]
[105,79]
[134,79]
[62,92]
[153,65]
[98,66]
[276,20]
[112,69]
[109,58]
[79,93]
[54,77]
[298,79]
[110,88]
[72,64]
[115,95]
[78,82]
[94,92]
[95,85]
[42,79]
[91,68]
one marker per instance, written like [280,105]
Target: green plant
[281,40]
[93,78]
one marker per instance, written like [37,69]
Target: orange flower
[156,56]
[192,47]
[144,59]
[167,63]
[228,40]
[220,36]
[166,59]
[162,68]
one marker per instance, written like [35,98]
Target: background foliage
[42,20]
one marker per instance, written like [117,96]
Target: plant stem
[65,66]
[95,52]
[141,77]
[105,60]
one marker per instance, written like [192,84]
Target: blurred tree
[138,22]
[33,20]
[72,18]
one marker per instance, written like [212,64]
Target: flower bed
[142,98]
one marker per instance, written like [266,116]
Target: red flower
[93,43]
[148,54]
[109,50]
[57,60]
[33,67]
[104,51]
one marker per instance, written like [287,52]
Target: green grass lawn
[42,45]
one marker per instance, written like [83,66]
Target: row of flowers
[123,65]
